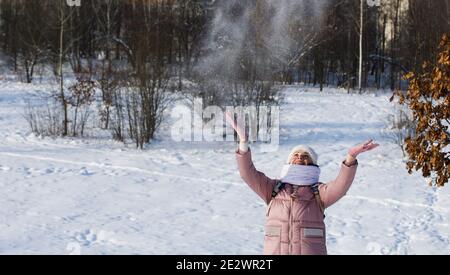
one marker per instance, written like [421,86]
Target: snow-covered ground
[99,197]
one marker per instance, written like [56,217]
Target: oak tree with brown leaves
[428,97]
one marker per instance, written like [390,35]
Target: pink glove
[239,127]
[368,146]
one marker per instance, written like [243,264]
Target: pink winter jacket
[295,222]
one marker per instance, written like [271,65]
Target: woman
[296,202]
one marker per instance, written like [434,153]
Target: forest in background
[131,56]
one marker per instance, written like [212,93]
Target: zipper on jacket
[290,226]
[291,220]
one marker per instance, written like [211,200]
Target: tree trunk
[361,29]
[60,69]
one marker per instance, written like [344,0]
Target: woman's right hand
[239,127]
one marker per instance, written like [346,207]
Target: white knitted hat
[306,149]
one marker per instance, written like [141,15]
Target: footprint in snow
[86,238]
[85,172]
[90,237]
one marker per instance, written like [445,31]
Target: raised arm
[257,181]
[333,191]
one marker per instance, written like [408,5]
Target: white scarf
[301,175]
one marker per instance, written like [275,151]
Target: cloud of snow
[231,27]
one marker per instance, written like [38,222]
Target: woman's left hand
[362,148]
